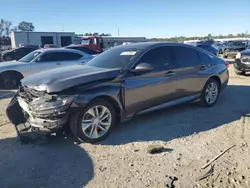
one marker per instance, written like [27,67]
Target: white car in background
[37,61]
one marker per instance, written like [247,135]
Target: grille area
[27,94]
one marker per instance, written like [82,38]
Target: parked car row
[229,49]
[113,87]
[234,47]
[18,53]
[12,72]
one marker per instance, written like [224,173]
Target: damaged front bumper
[22,112]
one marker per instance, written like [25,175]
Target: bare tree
[7,25]
[2,26]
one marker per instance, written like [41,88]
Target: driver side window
[160,58]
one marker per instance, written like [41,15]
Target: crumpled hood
[63,78]
[246,52]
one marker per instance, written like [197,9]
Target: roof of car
[58,50]
[146,45]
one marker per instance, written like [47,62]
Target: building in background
[41,38]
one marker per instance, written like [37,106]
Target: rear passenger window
[49,56]
[204,58]
[160,58]
[186,57]
[68,56]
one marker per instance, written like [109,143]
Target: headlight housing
[55,105]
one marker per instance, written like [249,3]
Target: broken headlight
[59,102]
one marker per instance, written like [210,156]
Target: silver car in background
[37,61]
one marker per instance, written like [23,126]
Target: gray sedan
[39,60]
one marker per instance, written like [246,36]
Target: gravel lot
[191,135]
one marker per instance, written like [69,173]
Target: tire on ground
[76,121]
[203,101]
[239,72]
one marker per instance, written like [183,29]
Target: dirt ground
[191,136]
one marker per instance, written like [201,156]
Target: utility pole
[118,32]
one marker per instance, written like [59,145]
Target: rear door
[193,72]
[70,58]
[149,89]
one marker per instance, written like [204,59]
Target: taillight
[226,64]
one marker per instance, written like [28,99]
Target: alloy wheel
[211,93]
[96,121]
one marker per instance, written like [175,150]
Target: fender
[112,90]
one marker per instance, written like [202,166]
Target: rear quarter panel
[220,70]
[215,68]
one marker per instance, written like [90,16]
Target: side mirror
[143,67]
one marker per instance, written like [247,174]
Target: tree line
[208,37]
[6,27]
[94,34]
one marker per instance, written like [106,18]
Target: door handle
[169,73]
[203,67]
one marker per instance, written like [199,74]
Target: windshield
[29,57]
[117,57]
[85,41]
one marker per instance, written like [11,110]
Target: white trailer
[41,38]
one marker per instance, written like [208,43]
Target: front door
[46,61]
[146,90]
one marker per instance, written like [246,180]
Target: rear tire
[239,72]
[210,93]
[95,122]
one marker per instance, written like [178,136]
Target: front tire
[210,93]
[239,72]
[10,81]
[95,122]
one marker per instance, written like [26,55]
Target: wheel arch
[12,72]
[16,74]
[112,101]
[217,78]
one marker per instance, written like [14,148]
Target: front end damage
[32,112]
